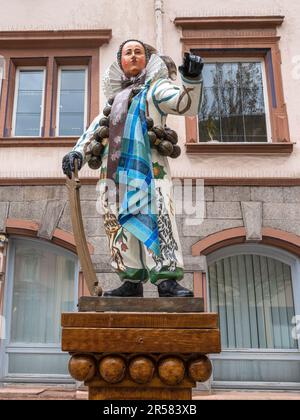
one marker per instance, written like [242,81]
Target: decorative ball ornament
[112,369]
[152,138]
[165,148]
[159,131]
[96,148]
[104,121]
[150,123]
[107,110]
[171,371]
[200,370]
[141,370]
[82,368]
[103,132]
[111,100]
[171,136]
[176,152]
[95,163]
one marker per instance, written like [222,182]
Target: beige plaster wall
[135,18]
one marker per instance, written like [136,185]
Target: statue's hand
[68,163]
[192,66]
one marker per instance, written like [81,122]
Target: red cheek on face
[125,64]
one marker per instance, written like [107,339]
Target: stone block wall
[223,210]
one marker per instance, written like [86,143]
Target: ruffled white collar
[112,81]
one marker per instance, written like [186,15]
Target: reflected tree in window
[233,108]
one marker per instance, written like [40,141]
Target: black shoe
[128,289]
[170,288]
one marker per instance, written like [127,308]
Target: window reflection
[72,102]
[233,107]
[29,103]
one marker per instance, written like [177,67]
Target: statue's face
[133,58]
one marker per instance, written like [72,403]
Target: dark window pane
[233,126]
[255,125]
[71,101]
[209,129]
[28,125]
[31,80]
[29,102]
[256,139]
[73,80]
[71,124]
[233,139]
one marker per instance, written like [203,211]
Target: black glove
[68,163]
[192,66]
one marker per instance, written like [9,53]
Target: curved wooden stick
[79,234]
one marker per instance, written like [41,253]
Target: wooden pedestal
[140,354]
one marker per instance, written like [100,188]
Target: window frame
[16,96]
[240,36]
[265,91]
[66,67]
[50,49]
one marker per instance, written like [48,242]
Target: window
[50,93]
[29,102]
[255,289]
[72,101]
[244,109]
[42,283]
[254,296]
[234,102]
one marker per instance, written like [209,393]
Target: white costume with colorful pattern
[129,257]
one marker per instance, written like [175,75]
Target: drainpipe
[158,5]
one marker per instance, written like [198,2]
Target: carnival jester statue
[131,144]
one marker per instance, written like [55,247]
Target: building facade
[240,158]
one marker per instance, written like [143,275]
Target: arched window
[41,283]
[256,291]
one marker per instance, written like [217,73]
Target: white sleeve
[171,99]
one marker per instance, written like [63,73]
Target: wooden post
[141,354]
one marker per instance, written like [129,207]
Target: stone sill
[38,141]
[239,148]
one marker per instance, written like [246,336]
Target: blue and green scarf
[135,178]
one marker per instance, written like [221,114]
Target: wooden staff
[79,234]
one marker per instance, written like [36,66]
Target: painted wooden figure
[131,143]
